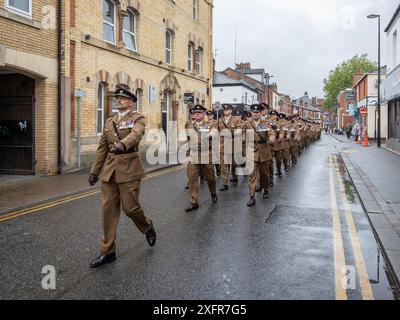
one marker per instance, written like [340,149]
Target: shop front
[391,90]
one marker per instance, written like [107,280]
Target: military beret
[282,116]
[123,90]
[199,108]
[256,108]
[248,114]
[274,113]
[227,106]
[191,111]
[210,113]
[237,113]
[264,105]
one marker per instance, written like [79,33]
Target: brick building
[28,87]
[161,49]
[346,103]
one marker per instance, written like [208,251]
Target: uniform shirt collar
[121,115]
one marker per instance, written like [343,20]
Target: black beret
[228,106]
[199,108]
[282,116]
[256,108]
[248,114]
[274,113]
[210,113]
[123,90]
[264,105]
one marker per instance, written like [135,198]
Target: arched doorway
[171,94]
[17,123]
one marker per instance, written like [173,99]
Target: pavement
[375,175]
[303,243]
[18,192]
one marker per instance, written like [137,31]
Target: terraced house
[162,49]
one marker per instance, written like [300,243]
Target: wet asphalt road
[284,248]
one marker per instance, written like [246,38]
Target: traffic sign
[217,106]
[364,111]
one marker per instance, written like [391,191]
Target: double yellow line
[339,255]
[51,204]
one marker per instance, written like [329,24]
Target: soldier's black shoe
[266,194]
[186,187]
[202,180]
[235,182]
[192,207]
[151,235]
[102,260]
[224,188]
[280,175]
[218,172]
[258,189]
[214,198]
[251,202]
[287,170]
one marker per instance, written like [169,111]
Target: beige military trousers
[114,195]
[194,172]
[261,170]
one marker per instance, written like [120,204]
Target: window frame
[19,11]
[168,51]
[113,25]
[137,104]
[199,60]
[101,96]
[195,9]
[129,32]
[191,57]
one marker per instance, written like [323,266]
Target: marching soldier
[187,124]
[227,125]
[198,131]
[119,158]
[212,122]
[211,118]
[264,111]
[264,137]
[294,140]
[285,141]
[278,147]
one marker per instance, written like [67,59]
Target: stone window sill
[20,19]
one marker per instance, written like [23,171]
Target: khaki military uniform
[197,131]
[294,143]
[285,134]
[264,137]
[228,126]
[121,176]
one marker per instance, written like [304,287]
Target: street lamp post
[378,107]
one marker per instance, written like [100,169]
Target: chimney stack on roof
[243,66]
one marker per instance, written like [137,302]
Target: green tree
[342,77]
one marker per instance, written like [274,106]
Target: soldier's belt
[132,150]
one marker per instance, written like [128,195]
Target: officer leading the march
[119,158]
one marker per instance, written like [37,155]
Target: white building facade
[391,85]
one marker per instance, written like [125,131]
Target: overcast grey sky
[298,41]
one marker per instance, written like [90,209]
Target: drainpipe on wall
[59,39]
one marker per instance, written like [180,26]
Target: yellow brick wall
[27,38]
[95,55]
[42,42]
